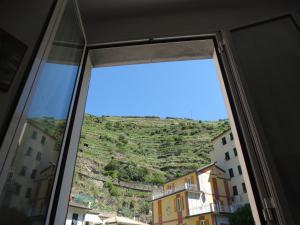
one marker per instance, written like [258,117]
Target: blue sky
[184,89]
[54,91]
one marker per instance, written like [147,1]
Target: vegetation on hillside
[121,159]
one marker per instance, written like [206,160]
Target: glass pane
[25,197]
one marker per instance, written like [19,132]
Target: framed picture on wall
[11,55]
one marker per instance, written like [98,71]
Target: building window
[33,135]
[244,188]
[28,193]
[231,174]
[240,169]
[33,174]
[178,204]
[38,156]
[224,140]
[43,140]
[18,189]
[23,171]
[74,219]
[231,136]
[235,190]
[235,151]
[227,156]
[29,151]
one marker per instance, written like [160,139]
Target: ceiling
[92,9]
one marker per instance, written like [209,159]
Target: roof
[193,171]
[209,165]
[229,129]
[123,220]
[77,205]
[198,170]
[107,214]
[93,218]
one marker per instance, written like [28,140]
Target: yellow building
[201,197]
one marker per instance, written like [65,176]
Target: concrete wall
[25,20]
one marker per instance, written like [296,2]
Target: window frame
[234,100]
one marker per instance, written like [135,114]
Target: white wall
[218,156]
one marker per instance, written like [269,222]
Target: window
[227,156]
[240,169]
[74,219]
[178,204]
[224,140]
[23,171]
[33,174]
[231,174]
[38,156]
[231,136]
[33,135]
[235,190]
[18,189]
[43,140]
[235,151]
[244,188]
[28,193]
[29,151]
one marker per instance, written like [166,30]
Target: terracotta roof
[123,220]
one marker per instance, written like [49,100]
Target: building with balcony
[201,197]
[225,155]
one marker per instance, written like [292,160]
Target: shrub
[242,216]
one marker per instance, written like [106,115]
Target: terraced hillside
[121,159]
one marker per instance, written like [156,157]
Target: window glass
[240,169]
[244,187]
[235,151]
[231,174]
[235,190]
[227,156]
[43,139]
[26,194]
[224,141]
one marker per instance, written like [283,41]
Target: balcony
[186,186]
[215,208]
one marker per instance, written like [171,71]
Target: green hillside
[121,159]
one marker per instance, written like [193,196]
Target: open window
[109,136]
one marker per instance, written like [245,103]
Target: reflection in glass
[25,197]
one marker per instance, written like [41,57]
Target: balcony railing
[186,186]
[216,208]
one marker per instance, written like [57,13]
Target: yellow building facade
[201,197]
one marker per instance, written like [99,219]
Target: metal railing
[216,208]
[186,186]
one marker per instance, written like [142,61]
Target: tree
[242,216]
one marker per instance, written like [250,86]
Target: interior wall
[24,20]
[199,21]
